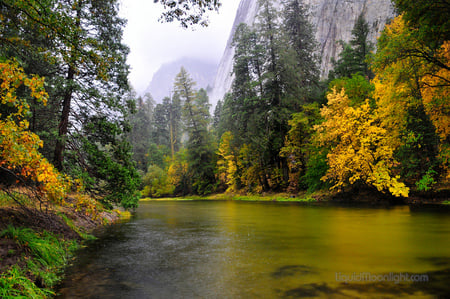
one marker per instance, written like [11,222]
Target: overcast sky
[153,43]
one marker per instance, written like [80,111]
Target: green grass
[8,201]
[278,197]
[76,229]
[15,284]
[45,257]
[446,202]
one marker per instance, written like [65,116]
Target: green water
[266,250]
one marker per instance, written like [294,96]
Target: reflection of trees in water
[293,270]
[437,284]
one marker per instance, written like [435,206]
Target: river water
[228,249]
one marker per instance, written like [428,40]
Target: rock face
[333,20]
[202,72]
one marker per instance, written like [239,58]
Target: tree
[188,12]
[298,142]
[19,148]
[156,182]
[200,153]
[227,163]
[357,88]
[79,46]
[96,76]
[429,21]
[275,73]
[184,90]
[178,173]
[168,123]
[300,61]
[410,95]
[354,56]
[360,151]
[141,133]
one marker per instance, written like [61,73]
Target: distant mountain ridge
[202,72]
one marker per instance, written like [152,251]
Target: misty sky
[153,43]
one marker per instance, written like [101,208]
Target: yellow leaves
[359,151]
[436,94]
[12,77]
[18,146]
[227,162]
[410,74]
[178,169]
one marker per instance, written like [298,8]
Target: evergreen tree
[216,119]
[185,91]
[77,46]
[142,130]
[354,56]
[200,152]
[300,61]
[161,134]
[275,74]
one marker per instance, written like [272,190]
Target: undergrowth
[43,259]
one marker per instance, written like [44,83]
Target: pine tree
[300,61]
[142,130]
[200,153]
[78,44]
[353,58]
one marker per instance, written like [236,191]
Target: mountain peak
[201,71]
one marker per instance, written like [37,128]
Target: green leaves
[188,12]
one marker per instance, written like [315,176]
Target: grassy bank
[37,260]
[37,243]
[439,197]
[272,197]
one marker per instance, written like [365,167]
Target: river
[228,249]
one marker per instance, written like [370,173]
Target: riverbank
[441,197]
[37,243]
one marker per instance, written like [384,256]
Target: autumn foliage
[19,148]
[360,151]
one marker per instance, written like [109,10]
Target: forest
[70,120]
[379,122]
[77,142]
[71,123]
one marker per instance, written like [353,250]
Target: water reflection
[241,250]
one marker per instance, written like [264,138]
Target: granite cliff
[333,20]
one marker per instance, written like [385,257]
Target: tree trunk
[64,122]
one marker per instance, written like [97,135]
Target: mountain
[202,72]
[332,20]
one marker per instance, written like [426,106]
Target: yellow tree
[359,150]
[436,100]
[178,173]
[412,95]
[227,163]
[19,154]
